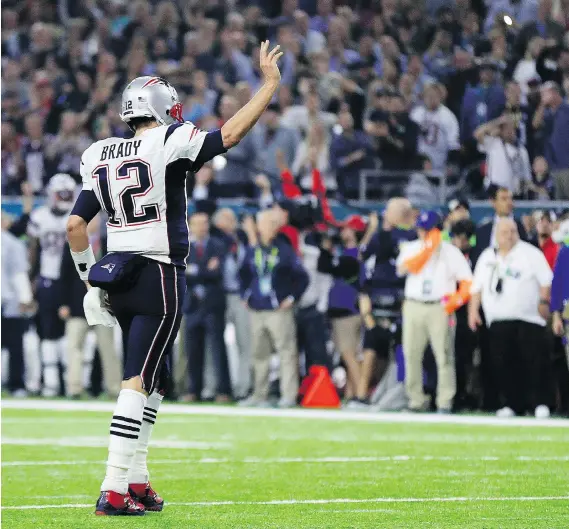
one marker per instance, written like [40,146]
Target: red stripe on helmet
[152,81]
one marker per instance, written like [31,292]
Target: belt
[309,307]
[232,292]
[426,302]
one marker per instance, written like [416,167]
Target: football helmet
[151,97]
[61,192]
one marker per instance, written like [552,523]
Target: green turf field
[238,471]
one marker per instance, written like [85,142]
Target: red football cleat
[146,496]
[112,503]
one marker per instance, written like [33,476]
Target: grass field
[233,468]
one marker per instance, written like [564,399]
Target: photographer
[382,290]
[395,135]
[343,265]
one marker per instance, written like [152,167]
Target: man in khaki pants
[76,329]
[433,268]
[272,280]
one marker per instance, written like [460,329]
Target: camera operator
[382,291]
[343,265]
[395,134]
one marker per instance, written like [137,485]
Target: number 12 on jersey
[131,181]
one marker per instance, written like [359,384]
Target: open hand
[268,63]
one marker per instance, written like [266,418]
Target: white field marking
[287,460]
[299,413]
[311,502]
[100,442]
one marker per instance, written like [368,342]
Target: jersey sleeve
[183,141]
[85,176]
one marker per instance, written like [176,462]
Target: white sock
[125,429]
[50,361]
[139,469]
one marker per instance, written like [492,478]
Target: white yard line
[289,460]
[100,442]
[297,413]
[312,502]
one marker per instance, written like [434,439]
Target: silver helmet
[61,191]
[151,97]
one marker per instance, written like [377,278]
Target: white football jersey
[141,183]
[51,231]
[439,134]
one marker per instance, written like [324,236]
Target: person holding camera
[382,290]
[512,283]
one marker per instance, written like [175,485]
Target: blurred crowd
[416,101]
[401,89]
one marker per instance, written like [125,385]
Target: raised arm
[236,127]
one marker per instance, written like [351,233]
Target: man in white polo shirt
[512,282]
[433,268]
[507,160]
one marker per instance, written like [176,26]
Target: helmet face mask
[151,97]
[61,192]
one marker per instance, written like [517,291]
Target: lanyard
[262,262]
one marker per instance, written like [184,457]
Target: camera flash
[508,20]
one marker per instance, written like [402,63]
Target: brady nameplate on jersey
[123,150]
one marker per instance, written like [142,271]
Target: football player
[140,182]
[46,230]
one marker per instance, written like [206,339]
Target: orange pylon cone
[321,392]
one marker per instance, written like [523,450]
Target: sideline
[295,413]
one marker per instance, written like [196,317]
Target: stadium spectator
[225,222]
[507,161]
[269,136]
[543,25]
[438,129]
[12,164]
[311,40]
[481,103]
[434,268]
[302,117]
[314,153]
[553,115]
[204,310]
[512,283]
[33,157]
[272,281]
[522,12]
[350,152]
[65,150]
